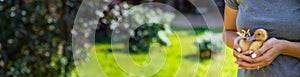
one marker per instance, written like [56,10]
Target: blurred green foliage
[35,37]
[145,35]
[210,43]
[143,25]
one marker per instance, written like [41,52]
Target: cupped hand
[261,57]
[237,50]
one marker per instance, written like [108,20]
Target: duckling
[259,36]
[245,42]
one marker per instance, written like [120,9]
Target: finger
[261,50]
[236,56]
[236,44]
[249,66]
[236,41]
[267,57]
[243,57]
[243,67]
[261,61]
[248,53]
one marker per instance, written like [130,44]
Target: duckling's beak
[247,35]
[252,38]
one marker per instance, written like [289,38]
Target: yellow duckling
[245,42]
[259,36]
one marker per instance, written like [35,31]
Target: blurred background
[36,38]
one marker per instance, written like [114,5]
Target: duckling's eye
[258,34]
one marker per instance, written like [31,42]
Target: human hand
[236,44]
[237,47]
[237,50]
[261,57]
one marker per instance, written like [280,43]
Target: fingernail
[250,52]
[239,33]
[239,56]
[253,55]
[239,67]
[239,49]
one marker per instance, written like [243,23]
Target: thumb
[236,44]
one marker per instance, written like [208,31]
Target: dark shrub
[35,37]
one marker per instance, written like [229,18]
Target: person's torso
[281,18]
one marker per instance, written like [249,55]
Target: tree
[35,37]
[142,24]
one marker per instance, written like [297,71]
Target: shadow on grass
[108,49]
[102,40]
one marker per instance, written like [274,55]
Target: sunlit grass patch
[176,60]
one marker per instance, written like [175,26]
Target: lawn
[179,59]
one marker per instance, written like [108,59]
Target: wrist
[284,46]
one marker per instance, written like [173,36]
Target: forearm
[229,36]
[291,48]
[229,32]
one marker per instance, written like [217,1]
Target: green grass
[181,60]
